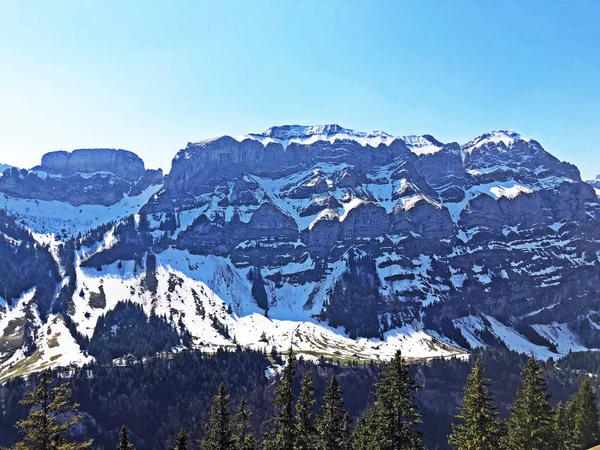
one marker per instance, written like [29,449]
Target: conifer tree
[282,435]
[46,426]
[530,425]
[390,423]
[480,426]
[182,441]
[218,430]
[584,414]
[305,412]
[564,436]
[347,431]
[331,423]
[124,443]
[242,426]
[364,434]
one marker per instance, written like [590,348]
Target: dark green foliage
[124,443]
[126,330]
[530,425]
[98,299]
[155,399]
[454,333]
[218,430]
[82,340]
[529,332]
[564,435]
[25,264]
[282,434]
[305,414]
[150,281]
[353,302]
[583,412]
[221,328]
[46,428]
[588,362]
[479,427]
[132,243]
[391,422]
[588,334]
[258,289]
[182,441]
[332,423]
[242,427]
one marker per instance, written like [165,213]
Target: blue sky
[151,76]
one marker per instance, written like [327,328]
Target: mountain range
[344,244]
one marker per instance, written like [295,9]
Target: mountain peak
[308,134]
[506,137]
[286,132]
[422,145]
[122,163]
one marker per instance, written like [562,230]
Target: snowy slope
[213,284]
[54,217]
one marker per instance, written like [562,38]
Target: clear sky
[151,76]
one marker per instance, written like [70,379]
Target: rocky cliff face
[122,163]
[82,177]
[422,244]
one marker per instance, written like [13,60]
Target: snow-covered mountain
[342,243]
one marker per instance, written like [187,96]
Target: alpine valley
[343,244]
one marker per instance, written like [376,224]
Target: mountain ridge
[431,247]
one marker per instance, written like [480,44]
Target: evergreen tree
[564,436]
[46,426]
[364,433]
[124,443]
[182,441]
[283,433]
[242,426]
[480,426]
[332,422]
[305,411]
[585,416]
[218,430]
[530,425]
[390,423]
[347,431]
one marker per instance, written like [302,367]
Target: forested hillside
[156,398]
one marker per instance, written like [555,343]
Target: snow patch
[54,217]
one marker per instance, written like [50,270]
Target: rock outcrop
[124,164]
[82,177]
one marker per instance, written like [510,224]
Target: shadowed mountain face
[332,233]
[82,177]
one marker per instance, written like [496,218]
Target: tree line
[391,423]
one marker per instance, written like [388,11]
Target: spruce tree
[480,426]
[585,416]
[390,424]
[564,436]
[182,441]
[364,433]
[46,426]
[124,443]
[530,425]
[347,431]
[332,421]
[305,412]
[242,428]
[282,435]
[218,430]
